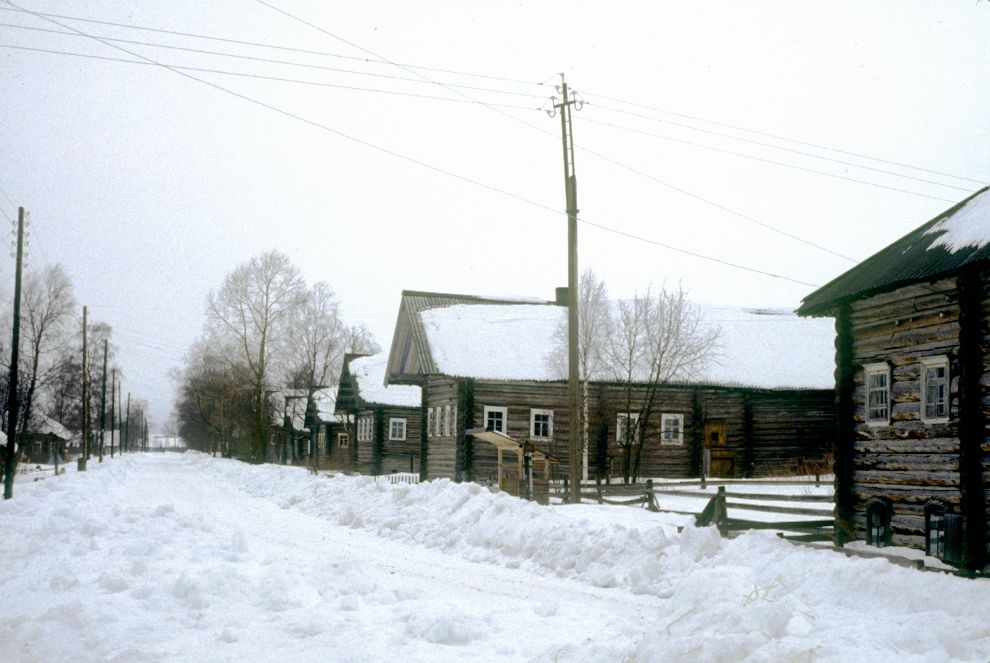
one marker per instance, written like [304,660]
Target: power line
[552,135]
[692,253]
[242,42]
[762,144]
[274,61]
[779,137]
[353,88]
[393,153]
[774,162]
[457,73]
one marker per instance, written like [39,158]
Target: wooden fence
[805,517]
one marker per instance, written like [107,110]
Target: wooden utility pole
[127,426]
[85,399]
[10,459]
[103,399]
[113,406]
[575,452]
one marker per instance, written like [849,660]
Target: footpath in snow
[190,558]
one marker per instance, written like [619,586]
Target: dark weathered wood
[779,498]
[789,525]
[845,427]
[972,422]
[773,508]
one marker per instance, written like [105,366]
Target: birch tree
[254,308]
[656,338]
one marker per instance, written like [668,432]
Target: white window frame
[505,417]
[532,424]
[437,423]
[365,429]
[446,421]
[664,418]
[392,421]
[453,419]
[343,440]
[880,368]
[619,433]
[934,362]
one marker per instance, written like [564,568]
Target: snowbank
[184,557]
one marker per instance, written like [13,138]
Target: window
[396,429]
[321,439]
[877,394]
[626,427]
[496,418]
[935,389]
[365,429]
[429,422]
[453,419]
[935,511]
[343,440]
[437,423]
[541,424]
[878,513]
[671,429]
[446,421]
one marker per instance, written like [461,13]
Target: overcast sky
[149,186]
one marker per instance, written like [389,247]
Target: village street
[185,557]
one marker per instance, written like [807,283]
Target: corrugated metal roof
[917,257]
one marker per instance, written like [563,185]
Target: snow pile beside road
[753,597]
[186,557]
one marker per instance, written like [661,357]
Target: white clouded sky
[149,187]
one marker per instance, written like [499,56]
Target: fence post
[567,493]
[720,515]
[651,498]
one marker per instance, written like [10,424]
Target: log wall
[906,461]
[785,430]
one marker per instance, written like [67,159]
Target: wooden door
[723,459]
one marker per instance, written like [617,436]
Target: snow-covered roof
[494,341]
[44,425]
[770,348]
[968,227]
[369,378]
[954,240]
[763,348]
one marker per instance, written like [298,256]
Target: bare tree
[654,339]
[254,308]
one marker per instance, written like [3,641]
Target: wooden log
[778,498]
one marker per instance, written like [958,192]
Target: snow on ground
[186,558]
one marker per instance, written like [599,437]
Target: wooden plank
[790,510]
[796,525]
[780,498]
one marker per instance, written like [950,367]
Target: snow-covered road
[188,558]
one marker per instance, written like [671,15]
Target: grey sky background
[149,187]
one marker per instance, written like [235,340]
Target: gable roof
[759,348]
[362,384]
[956,238]
[410,358]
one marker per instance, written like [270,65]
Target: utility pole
[85,399]
[575,452]
[113,406]
[10,461]
[103,399]
[127,426]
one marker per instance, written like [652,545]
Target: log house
[912,381]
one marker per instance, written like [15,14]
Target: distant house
[765,406]
[46,438]
[384,435]
[333,431]
[913,387]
